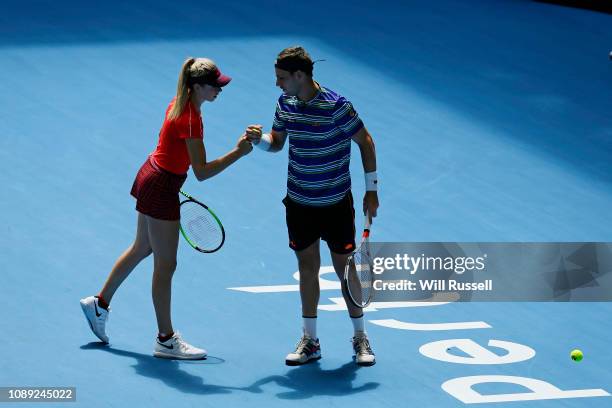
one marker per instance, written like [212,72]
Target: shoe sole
[159,354]
[83,308]
[363,364]
[298,363]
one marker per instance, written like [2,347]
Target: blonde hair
[193,68]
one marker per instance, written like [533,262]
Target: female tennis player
[156,188]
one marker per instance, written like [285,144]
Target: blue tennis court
[491,121]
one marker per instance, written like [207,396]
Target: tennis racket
[200,226]
[358,272]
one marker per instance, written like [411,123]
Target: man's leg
[309,263]
[339,261]
[364,355]
[340,237]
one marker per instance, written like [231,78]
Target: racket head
[201,227]
[359,276]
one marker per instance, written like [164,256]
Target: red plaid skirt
[156,191]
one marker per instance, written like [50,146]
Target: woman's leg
[163,236]
[125,264]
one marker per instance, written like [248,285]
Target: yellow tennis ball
[576,355]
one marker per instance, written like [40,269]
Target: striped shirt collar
[295,101]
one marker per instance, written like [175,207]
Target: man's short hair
[294,59]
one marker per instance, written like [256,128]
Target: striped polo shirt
[319,133]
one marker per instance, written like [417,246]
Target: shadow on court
[305,382]
[167,371]
[516,82]
[310,380]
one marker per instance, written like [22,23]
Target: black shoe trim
[96,307]
[163,345]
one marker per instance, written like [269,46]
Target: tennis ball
[576,355]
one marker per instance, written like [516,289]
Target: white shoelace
[362,345]
[181,344]
[299,347]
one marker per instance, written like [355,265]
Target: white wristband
[265,143]
[371,181]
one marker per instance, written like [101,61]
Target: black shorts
[335,224]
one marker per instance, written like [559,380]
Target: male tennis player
[319,204]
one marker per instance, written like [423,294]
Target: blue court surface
[492,122]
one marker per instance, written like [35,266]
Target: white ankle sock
[310,326]
[358,324]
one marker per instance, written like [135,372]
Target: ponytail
[182,90]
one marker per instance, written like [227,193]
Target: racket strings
[200,226]
[360,276]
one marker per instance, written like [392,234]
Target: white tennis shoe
[307,349]
[364,356]
[177,348]
[96,317]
